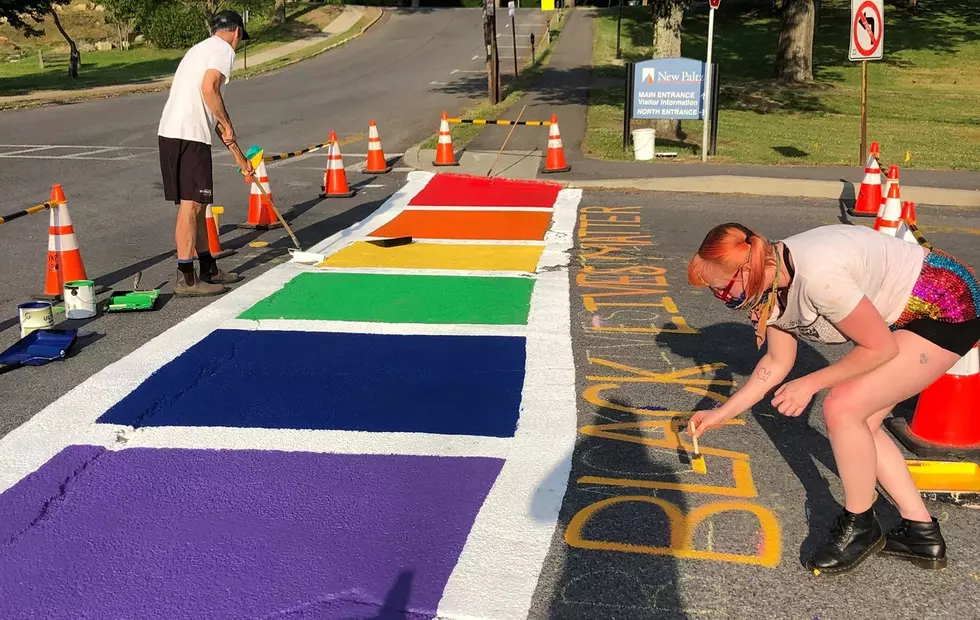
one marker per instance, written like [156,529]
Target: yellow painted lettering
[640,270]
[741,472]
[593,394]
[584,280]
[590,300]
[627,210]
[682,530]
[623,239]
[681,328]
[670,438]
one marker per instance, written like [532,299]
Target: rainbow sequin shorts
[946,291]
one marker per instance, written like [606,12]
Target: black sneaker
[853,538]
[919,542]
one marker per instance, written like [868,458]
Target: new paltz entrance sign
[667,88]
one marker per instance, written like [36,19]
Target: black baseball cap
[228,18]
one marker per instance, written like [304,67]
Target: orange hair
[729,246]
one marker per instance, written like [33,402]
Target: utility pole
[493,60]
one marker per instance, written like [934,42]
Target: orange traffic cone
[376,162]
[869,197]
[892,179]
[556,152]
[335,177]
[908,212]
[260,213]
[214,243]
[891,214]
[444,150]
[64,258]
[945,420]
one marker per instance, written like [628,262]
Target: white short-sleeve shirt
[838,265]
[186,115]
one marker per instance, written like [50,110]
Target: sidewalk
[563,89]
[344,22]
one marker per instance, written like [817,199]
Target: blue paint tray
[40,347]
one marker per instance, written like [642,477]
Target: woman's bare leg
[892,472]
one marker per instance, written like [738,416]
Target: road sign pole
[619,28]
[513,32]
[864,112]
[707,88]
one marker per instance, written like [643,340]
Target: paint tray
[132,301]
[40,347]
[945,476]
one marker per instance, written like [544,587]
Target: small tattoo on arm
[763,374]
[923,359]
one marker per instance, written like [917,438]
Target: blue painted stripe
[467,385]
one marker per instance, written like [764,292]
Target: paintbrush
[697,461]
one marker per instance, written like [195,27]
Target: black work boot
[919,542]
[853,538]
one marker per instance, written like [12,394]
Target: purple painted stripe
[168,533]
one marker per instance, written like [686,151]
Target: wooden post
[40,59]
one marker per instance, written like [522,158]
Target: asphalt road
[614,554]
[402,73]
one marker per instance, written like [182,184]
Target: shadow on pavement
[802,446]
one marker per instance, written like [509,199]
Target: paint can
[35,315]
[80,299]
[643,144]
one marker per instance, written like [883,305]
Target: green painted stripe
[398,299]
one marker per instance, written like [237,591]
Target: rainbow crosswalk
[387,433]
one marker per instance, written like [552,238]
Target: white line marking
[475,57]
[363,327]
[30,150]
[95,152]
[453,208]
[427,272]
[118,437]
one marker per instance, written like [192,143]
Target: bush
[176,26]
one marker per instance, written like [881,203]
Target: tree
[279,14]
[794,55]
[15,11]
[667,18]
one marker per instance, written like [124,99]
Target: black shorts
[956,337]
[186,169]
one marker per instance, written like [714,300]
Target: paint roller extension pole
[238,150]
[506,139]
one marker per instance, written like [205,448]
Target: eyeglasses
[725,295]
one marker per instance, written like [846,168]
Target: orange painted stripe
[506,226]
[61,230]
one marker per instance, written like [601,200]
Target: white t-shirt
[837,265]
[186,115]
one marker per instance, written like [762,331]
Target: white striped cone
[376,162]
[260,213]
[444,149]
[891,216]
[64,258]
[335,177]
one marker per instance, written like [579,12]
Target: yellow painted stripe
[468,257]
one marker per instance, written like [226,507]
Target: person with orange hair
[911,312]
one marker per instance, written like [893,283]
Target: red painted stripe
[473,191]
[61,230]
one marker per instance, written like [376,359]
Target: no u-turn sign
[867,30]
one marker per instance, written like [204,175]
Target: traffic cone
[890,218]
[260,213]
[335,177]
[376,162]
[869,196]
[555,161]
[908,213]
[891,179]
[945,420]
[444,150]
[908,217]
[214,242]
[64,258]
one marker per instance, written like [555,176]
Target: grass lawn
[144,64]
[511,92]
[922,98]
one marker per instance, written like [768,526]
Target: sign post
[867,33]
[493,59]
[708,99]
[513,32]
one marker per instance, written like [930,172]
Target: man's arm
[211,89]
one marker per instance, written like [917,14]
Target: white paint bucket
[35,315]
[80,299]
[643,143]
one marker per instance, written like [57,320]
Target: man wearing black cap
[195,106]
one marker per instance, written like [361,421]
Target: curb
[156,85]
[844,191]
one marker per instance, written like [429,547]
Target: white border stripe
[401,271]
[117,437]
[497,573]
[358,327]
[456,208]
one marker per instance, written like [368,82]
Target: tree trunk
[794,56]
[74,57]
[279,15]
[667,17]
[912,6]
